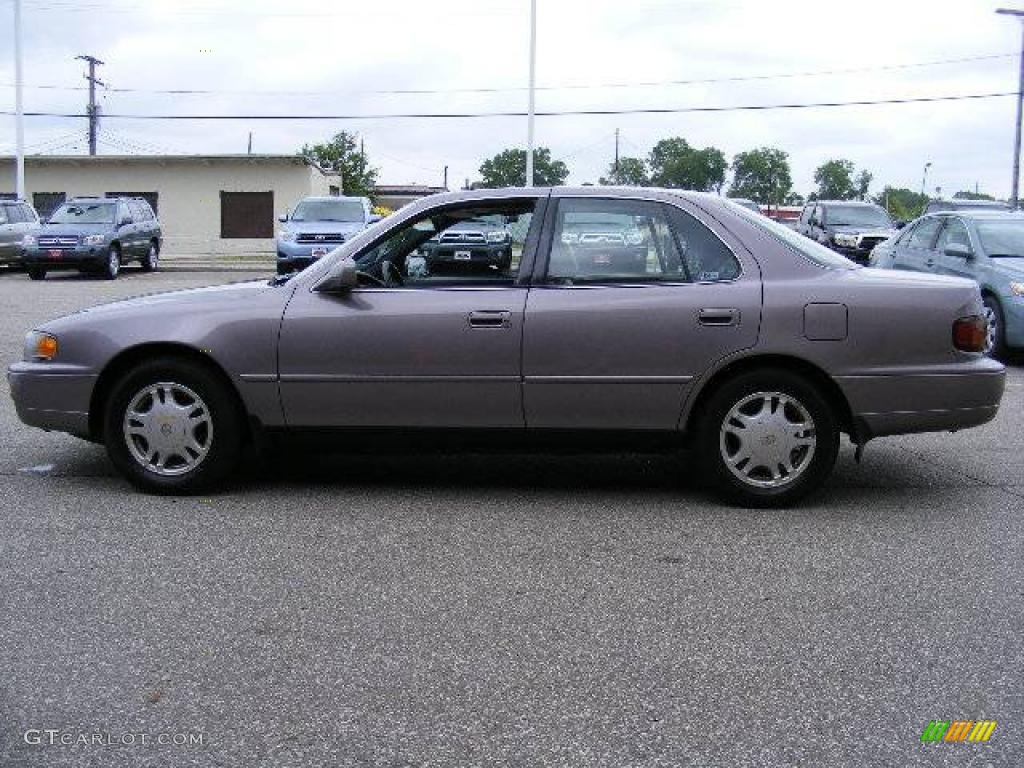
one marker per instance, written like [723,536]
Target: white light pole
[19,112]
[1015,182]
[533,82]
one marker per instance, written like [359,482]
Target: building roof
[170,159]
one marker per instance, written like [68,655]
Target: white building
[205,203]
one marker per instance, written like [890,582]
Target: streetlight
[924,179]
[1015,181]
[533,80]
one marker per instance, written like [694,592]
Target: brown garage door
[246,214]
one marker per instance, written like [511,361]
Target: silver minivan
[17,219]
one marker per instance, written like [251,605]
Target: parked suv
[95,234]
[847,227]
[17,220]
[317,226]
[483,241]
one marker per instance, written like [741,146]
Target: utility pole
[1015,181]
[924,180]
[616,155]
[532,102]
[446,178]
[19,110]
[249,150]
[94,110]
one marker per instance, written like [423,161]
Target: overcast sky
[324,56]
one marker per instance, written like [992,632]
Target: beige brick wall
[189,190]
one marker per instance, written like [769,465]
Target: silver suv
[17,219]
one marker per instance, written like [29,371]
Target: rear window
[804,246]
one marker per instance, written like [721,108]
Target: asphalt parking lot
[512,611]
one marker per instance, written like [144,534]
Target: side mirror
[124,222]
[374,218]
[340,279]
[959,250]
[283,217]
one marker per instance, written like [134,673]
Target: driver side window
[472,244]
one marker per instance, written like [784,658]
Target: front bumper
[859,255]
[52,397]
[902,403]
[1013,321]
[493,254]
[79,257]
[295,256]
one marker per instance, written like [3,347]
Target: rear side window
[706,258]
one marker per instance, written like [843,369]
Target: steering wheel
[372,279]
[392,275]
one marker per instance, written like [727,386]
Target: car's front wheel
[112,264]
[36,273]
[995,342]
[767,438]
[172,426]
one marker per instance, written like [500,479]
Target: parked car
[847,227]
[318,225]
[484,241]
[18,219]
[736,336]
[985,246]
[97,235]
[961,204]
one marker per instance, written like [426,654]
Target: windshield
[84,213]
[1002,238]
[328,210]
[819,254]
[856,216]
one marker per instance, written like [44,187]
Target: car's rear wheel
[152,259]
[112,264]
[767,438]
[995,343]
[36,273]
[172,426]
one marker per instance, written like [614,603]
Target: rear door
[632,300]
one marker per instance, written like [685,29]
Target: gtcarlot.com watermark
[56,737]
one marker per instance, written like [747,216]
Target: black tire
[283,270]
[225,438]
[36,273]
[112,264]
[997,329]
[712,445]
[151,260]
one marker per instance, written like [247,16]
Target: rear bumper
[57,401]
[898,404]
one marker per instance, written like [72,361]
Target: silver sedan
[653,319]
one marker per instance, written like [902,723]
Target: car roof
[983,215]
[858,203]
[331,197]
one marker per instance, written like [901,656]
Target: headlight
[29,241]
[286,236]
[497,237]
[570,238]
[39,346]
[1017,289]
[92,240]
[850,241]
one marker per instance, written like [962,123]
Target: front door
[955,233]
[916,251]
[637,300]
[425,341]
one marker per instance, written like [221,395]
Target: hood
[74,229]
[187,300]
[346,227]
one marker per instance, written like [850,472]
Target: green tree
[631,172]
[862,182]
[674,163]
[967,195]
[901,203]
[344,154]
[508,169]
[835,181]
[762,175]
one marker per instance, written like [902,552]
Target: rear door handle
[719,316]
[490,318]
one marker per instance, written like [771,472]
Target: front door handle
[490,318]
[719,316]
[930,263]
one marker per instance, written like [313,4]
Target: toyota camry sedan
[683,321]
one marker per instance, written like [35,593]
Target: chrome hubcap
[113,263]
[993,329]
[168,429]
[768,439]
[152,257]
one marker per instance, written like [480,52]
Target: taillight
[970,333]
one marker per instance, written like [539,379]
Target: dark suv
[95,234]
[846,226]
[17,221]
[483,241]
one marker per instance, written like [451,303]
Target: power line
[564,87]
[550,113]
